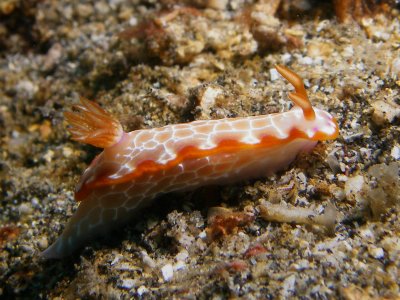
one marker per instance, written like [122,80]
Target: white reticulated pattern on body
[162,145]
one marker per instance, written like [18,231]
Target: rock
[167,272]
[127,283]
[376,252]
[217,4]
[385,112]
[354,185]
[42,243]
[395,153]
[210,95]
[24,209]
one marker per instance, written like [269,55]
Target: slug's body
[136,167]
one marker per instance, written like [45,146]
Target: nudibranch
[136,167]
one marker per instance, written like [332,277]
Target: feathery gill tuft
[90,124]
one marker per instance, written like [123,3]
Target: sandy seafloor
[213,61]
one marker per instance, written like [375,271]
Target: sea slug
[138,166]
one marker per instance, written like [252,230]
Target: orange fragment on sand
[255,251]
[222,225]
[8,233]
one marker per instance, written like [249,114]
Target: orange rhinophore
[138,166]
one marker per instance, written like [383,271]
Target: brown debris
[348,10]
[235,266]
[153,27]
[158,43]
[223,222]
[44,129]
[8,233]
[215,4]
[16,17]
[266,28]
[353,292]
[298,215]
[383,189]
[255,251]
[321,187]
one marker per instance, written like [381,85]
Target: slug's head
[317,124]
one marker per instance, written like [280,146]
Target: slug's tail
[91,220]
[90,124]
[86,224]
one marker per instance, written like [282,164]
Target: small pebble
[102,7]
[127,283]
[367,234]
[348,51]
[385,112]
[133,21]
[217,4]
[26,248]
[125,266]
[376,252]
[49,156]
[273,74]
[337,193]
[182,255]
[306,60]
[286,58]
[24,209]
[395,68]
[202,234]
[84,10]
[179,265]
[167,272]
[354,184]
[67,151]
[395,153]
[333,162]
[301,265]
[142,290]
[302,177]
[116,260]
[42,243]
[147,260]
[26,89]
[209,97]
[52,57]
[35,202]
